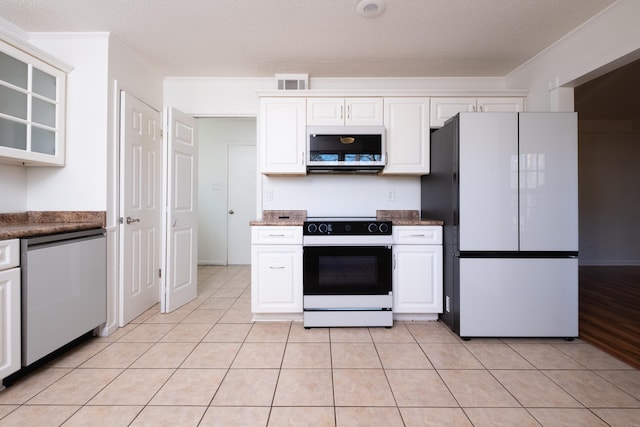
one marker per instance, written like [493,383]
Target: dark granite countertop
[406,217]
[40,223]
[281,218]
[297,218]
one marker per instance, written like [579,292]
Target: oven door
[347,270]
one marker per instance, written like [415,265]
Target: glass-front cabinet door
[32,109]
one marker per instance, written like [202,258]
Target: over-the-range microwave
[345,149]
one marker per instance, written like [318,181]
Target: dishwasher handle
[60,238]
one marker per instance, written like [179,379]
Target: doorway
[227,168]
[609,146]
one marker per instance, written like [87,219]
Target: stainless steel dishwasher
[64,289]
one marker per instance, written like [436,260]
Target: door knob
[231,212]
[130,220]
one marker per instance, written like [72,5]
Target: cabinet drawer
[269,235]
[9,253]
[417,235]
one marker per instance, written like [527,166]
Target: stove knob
[312,228]
[383,227]
[323,228]
[373,227]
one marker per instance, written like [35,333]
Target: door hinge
[160,273]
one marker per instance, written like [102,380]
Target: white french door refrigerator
[506,186]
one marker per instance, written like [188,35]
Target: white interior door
[241,200]
[181,278]
[140,207]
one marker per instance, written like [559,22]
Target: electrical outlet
[269,195]
[391,195]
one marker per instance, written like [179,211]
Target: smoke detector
[370,8]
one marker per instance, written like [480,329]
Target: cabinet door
[417,278]
[364,111]
[407,123]
[9,322]
[501,105]
[282,136]
[32,106]
[442,109]
[276,279]
[325,111]
[341,111]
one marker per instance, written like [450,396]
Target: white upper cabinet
[282,136]
[32,109]
[344,111]
[407,124]
[442,109]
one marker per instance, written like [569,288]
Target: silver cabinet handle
[130,220]
[276,268]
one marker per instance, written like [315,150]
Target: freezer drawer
[518,297]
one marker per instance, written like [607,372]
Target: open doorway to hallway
[609,146]
[227,189]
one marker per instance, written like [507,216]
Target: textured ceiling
[324,38]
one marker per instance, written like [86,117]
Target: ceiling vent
[292,81]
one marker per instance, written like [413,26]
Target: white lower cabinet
[276,270]
[417,269]
[9,308]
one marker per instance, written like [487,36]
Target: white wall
[228,97]
[214,138]
[82,183]
[322,195]
[89,180]
[607,41]
[13,187]
[340,195]
[128,72]
[608,182]
[215,97]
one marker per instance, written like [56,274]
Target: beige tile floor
[207,364]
